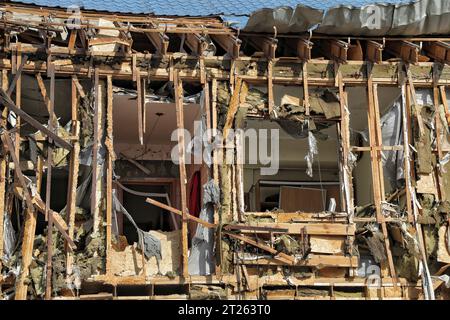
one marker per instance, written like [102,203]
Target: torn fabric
[152,245]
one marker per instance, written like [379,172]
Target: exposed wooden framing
[7,102]
[139,102]
[265,44]
[109,171]
[17,78]
[270,99]
[95,174]
[230,43]
[346,173]
[438,50]
[73,175]
[236,71]
[376,164]
[405,50]
[374,51]
[48,193]
[159,40]
[72,39]
[304,48]
[411,103]
[3,166]
[29,225]
[18,82]
[310,261]
[239,95]
[2,200]
[445,103]
[79,86]
[195,42]
[183,180]
[334,49]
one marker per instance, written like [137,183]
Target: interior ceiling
[160,120]
[292,151]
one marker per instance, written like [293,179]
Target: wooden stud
[305,88]
[29,225]
[95,148]
[139,106]
[73,176]
[109,173]
[183,180]
[48,291]
[377,170]
[270,98]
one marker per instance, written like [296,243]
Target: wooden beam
[139,101]
[334,261]
[180,213]
[109,171]
[405,50]
[95,149]
[183,180]
[334,49]
[230,43]
[48,193]
[17,77]
[159,40]
[318,228]
[374,51]
[73,176]
[265,44]
[438,50]
[29,225]
[304,48]
[374,127]
[239,95]
[195,43]
[7,102]
[78,86]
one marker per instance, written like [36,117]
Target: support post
[183,181]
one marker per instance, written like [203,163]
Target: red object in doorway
[194,194]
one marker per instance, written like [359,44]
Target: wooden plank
[338,229]
[18,72]
[311,261]
[374,128]
[109,172]
[305,88]
[48,193]
[95,148]
[327,244]
[270,97]
[183,180]
[79,86]
[139,107]
[73,176]
[239,95]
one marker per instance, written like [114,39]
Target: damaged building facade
[124,127]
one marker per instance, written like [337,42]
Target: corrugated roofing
[197,7]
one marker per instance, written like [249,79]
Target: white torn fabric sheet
[313,151]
